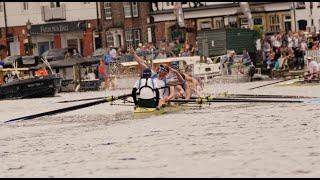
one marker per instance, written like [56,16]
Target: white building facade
[307,16]
[51,21]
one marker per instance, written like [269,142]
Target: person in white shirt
[313,69]
[113,52]
[90,75]
[145,92]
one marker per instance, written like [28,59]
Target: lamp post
[29,37]
[293,7]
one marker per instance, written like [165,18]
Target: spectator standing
[246,60]
[298,56]
[163,44]
[113,52]
[109,65]
[185,52]
[315,45]
[229,61]
[270,60]
[3,53]
[102,72]
[304,46]
[266,49]
[290,40]
[162,54]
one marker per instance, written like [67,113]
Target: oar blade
[72,108]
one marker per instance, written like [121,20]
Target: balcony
[53,14]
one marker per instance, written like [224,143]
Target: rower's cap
[309,58]
[175,65]
[163,69]
[146,73]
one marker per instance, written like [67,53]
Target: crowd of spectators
[177,48]
[282,51]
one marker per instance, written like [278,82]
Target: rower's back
[145,88]
[145,92]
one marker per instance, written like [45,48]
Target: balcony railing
[53,14]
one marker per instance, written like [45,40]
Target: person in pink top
[313,69]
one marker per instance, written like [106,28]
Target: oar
[72,108]
[216,98]
[205,100]
[87,99]
[76,100]
[270,84]
[267,96]
[263,96]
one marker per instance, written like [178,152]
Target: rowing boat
[141,112]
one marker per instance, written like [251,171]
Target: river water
[220,140]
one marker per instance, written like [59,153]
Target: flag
[179,14]
[244,6]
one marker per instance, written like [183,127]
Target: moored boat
[33,87]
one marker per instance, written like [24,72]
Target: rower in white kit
[145,92]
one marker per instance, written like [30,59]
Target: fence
[313,53]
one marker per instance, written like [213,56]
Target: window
[301,5]
[54,4]
[25,5]
[274,23]
[129,38]
[257,21]
[135,40]
[107,10]
[287,18]
[136,37]
[205,25]
[1,6]
[109,39]
[244,23]
[127,9]
[218,23]
[233,22]
[135,9]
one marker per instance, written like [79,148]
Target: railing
[315,54]
[51,14]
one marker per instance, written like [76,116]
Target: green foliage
[259,30]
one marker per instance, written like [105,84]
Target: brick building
[123,27]
[71,25]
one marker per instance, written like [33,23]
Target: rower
[145,92]
[165,89]
[183,86]
[161,77]
[194,84]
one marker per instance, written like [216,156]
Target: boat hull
[141,112]
[34,87]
